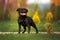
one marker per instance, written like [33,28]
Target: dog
[25,20]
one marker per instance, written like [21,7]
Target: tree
[55,10]
[8,8]
[1,8]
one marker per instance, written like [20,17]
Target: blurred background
[41,11]
[8,8]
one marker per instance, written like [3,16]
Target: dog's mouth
[22,14]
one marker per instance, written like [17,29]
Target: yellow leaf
[49,16]
[36,18]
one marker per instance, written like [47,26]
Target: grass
[29,37]
[10,26]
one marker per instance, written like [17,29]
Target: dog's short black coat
[26,21]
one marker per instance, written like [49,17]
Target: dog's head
[22,11]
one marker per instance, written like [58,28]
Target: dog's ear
[18,9]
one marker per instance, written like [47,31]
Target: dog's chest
[23,21]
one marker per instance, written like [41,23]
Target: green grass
[10,26]
[29,37]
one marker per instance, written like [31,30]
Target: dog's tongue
[23,14]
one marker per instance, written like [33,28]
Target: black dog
[25,20]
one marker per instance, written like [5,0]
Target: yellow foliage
[48,27]
[49,16]
[36,18]
[18,4]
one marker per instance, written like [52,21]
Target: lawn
[12,26]
[29,37]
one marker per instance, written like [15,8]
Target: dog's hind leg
[34,26]
[24,29]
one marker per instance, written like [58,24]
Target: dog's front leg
[28,29]
[27,23]
[19,29]
[24,29]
